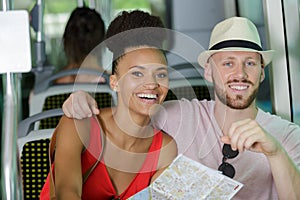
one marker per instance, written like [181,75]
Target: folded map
[188,179]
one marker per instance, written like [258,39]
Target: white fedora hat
[235,34]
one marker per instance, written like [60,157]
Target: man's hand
[249,135]
[80,105]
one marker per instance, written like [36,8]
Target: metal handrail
[11,181]
[11,185]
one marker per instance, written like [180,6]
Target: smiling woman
[121,147]
[141,81]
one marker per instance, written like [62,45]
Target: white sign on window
[15,55]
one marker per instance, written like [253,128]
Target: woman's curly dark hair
[134,29]
[85,29]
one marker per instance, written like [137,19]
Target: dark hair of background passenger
[85,29]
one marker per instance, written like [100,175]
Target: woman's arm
[68,175]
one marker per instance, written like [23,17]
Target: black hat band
[236,43]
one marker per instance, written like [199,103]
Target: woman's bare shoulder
[70,129]
[106,112]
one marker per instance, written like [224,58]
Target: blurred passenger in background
[85,29]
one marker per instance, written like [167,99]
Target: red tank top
[98,185]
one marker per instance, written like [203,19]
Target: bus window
[256,15]
[293,40]
[56,15]
[119,5]
[156,7]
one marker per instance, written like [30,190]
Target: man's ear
[113,81]
[208,72]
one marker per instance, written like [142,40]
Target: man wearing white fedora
[230,133]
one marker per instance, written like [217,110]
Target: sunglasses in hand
[226,168]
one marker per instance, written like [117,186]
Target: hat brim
[205,55]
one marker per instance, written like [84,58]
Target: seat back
[48,96]
[34,153]
[187,81]
[104,97]
[189,92]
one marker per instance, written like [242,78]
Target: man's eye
[138,74]
[250,63]
[162,75]
[227,64]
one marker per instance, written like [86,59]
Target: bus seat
[186,81]
[33,152]
[53,96]
[48,78]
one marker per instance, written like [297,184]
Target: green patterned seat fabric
[199,92]
[35,167]
[56,101]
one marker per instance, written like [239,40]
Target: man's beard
[237,102]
